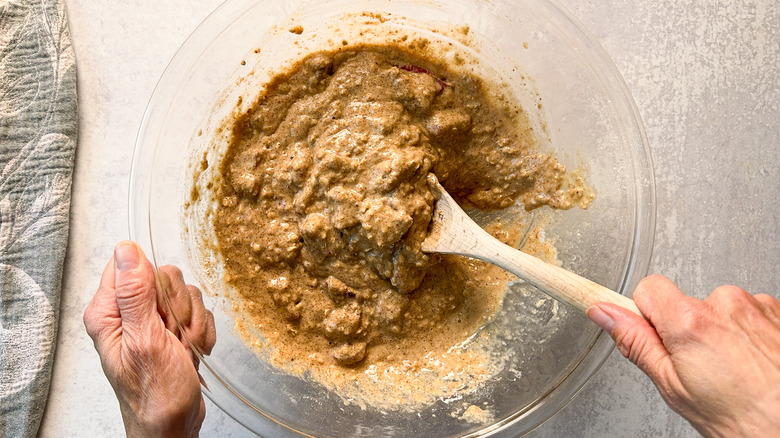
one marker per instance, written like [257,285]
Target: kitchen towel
[38,128]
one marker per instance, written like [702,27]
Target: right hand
[716,362]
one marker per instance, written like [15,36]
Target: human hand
[715,362]
[144,356]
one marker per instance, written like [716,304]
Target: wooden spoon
[453,232]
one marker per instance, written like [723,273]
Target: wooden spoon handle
[561,284]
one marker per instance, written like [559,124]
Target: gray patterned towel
[38,125]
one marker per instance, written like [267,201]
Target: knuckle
[641,293]
[196,329]
[92,321]
[653,292]
[653,280]
[643,297]
[89,322]
[728,294]
[195,293]
[87,316]
[692,320]
[647,284]
[177,293]
[630,343]
[211,333]
[769,301]
[730,301]
[173,271]
[134,286]
[769,306]
[96,329]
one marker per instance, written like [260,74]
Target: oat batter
[324,205]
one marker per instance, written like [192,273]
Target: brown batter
[324,205]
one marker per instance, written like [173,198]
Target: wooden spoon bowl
[452,231]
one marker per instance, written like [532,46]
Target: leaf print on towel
[26,316]
[21,80]
[33,206]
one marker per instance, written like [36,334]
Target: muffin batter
[325,204]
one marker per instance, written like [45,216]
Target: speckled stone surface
[703,74]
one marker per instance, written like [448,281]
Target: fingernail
[601,318]
[126,256]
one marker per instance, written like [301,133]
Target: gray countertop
[703,74]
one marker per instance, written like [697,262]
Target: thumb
[135,288]
[635,338]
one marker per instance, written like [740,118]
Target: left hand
[147,360]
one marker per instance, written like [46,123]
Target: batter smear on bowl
[324,205]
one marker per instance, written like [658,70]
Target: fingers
[677,318]
[162,303]
[186,302]
[735,304]
[202,332]
[751,317]
[136,294]
[179,299]
[653,295]
[636,339]
[642,341]
[128,299]
[770,306]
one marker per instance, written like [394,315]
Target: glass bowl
[584,115]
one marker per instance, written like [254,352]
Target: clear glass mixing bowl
[588,118]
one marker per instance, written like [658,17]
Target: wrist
[761,421]
[136,426]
